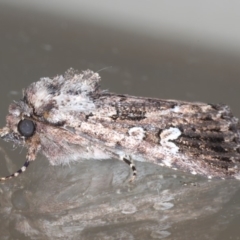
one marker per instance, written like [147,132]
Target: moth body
[69,118]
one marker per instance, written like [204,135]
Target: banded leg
[128,160]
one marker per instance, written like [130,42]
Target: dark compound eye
[26,127]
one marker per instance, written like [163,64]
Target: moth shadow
[89,200]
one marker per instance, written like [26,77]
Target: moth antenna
[102,69]
[21,170]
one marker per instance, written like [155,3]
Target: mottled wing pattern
[196,137]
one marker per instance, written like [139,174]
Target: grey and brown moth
[69,117]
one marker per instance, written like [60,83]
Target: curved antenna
[21,170]
[102,69]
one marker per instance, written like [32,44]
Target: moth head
[18,129]
[19,126]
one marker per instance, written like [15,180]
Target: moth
[68,118]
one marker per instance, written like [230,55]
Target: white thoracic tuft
[55,98]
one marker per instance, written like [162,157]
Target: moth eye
[26,127]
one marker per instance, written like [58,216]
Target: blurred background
[167,49]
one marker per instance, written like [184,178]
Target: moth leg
[128,160]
